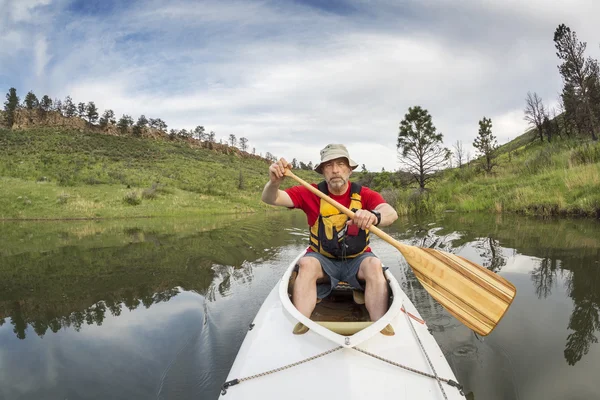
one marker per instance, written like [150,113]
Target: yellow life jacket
[329,234]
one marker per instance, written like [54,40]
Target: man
[339,247]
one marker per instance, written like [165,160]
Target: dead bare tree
[534,113]
[459,153]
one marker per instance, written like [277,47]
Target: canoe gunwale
[344,341]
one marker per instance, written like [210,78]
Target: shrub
[391,196]
[585,154]
[132,198]
[153,191]
[92,180]
[149,194]
[539,161]
[466,173]
[65,178]
[63,198]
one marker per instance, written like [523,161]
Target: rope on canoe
[450,382]
[437,378]
[236,381]
[416,371]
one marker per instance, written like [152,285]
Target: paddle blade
[474,295]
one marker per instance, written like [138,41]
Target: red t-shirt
[310,203]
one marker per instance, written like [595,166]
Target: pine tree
[57,105]
[107,118]
[140,125]
[69,108]
[243,143]
[91,112]
[81,110]
[232,140]
[46,103]
[124,123]
[31,101]
[420,146]
[486,143]
[199,132]
[10,106]
[580,77]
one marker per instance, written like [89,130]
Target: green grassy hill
[57,173]
[531,177]
[53,173]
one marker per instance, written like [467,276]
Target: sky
[294,75]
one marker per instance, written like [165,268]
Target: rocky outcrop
[28,119]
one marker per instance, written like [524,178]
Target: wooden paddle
[474,295]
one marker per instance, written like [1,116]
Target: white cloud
[291,78]
[21,10]
[41,55]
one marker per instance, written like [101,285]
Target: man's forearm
[388,215]
[269,194]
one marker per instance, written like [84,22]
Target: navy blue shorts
[339,270]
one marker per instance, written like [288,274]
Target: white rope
[412,328]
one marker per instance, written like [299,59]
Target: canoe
[342,355]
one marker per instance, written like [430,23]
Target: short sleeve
[370,198]
[297,194]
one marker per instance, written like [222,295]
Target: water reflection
[158,308]
[544,277]
[566,249]
[20,319]
[91,269]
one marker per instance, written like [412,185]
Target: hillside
[531,177]
[75,172]
[62,173]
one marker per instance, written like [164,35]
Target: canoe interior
[340,305]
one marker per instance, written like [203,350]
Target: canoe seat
[357,294]
[345,328]
[342,312]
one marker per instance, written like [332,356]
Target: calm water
[158,308]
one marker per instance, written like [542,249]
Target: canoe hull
[344,372]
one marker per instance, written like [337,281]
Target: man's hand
[363,219]
[277,169]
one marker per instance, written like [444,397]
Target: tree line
[420,147]
[578,111]
[90,113]
[421,152]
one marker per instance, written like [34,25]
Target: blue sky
[294,75]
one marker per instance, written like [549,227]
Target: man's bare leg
[376,290]
[304,295]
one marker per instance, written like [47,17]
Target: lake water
[157,308]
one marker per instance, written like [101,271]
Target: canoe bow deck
[322,364]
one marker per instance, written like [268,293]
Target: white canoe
[272,356]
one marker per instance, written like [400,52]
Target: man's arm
[388,214]
[365,218]
[271,193]
[276,197]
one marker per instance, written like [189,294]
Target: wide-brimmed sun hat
[333,151]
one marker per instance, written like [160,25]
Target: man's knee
[372,270]
[309,268]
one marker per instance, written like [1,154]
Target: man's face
[336,173]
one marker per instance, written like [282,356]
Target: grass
[51,173]
[562,178]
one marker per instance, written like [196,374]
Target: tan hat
[333,151]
